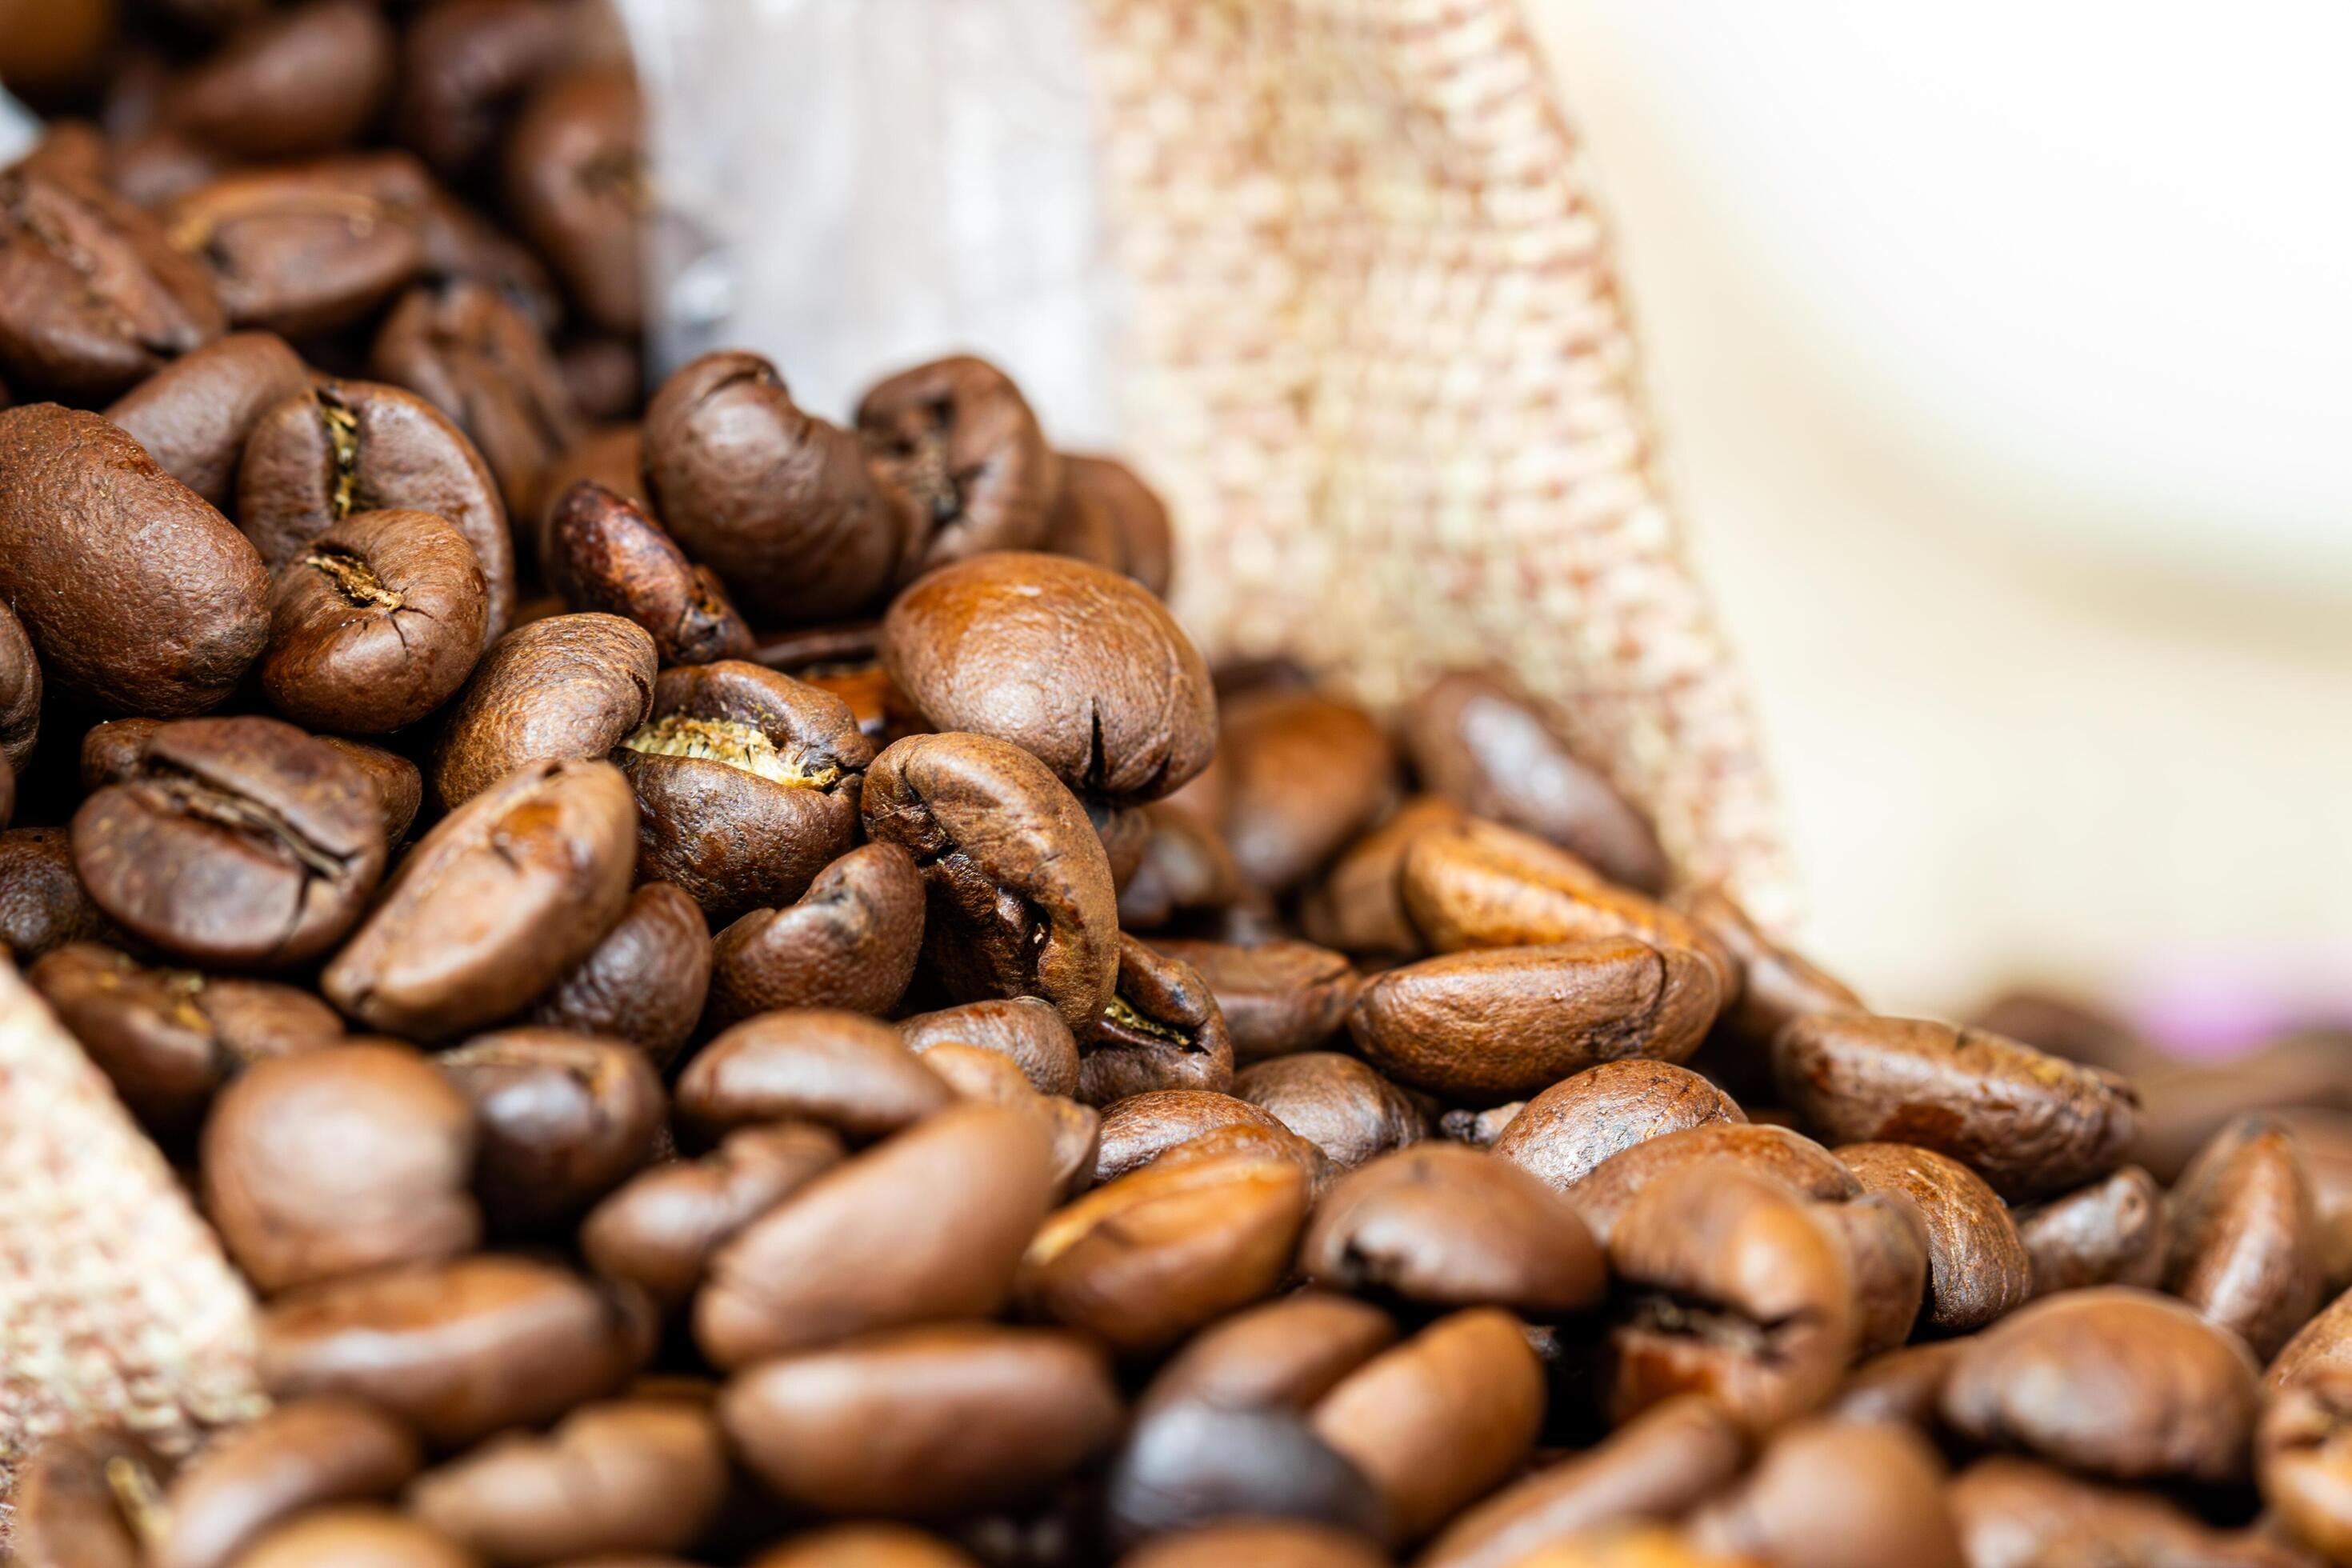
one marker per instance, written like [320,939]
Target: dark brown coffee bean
[1110,517]
[298,1457]
[1285,1354]
[1506,1022]
[2030,1124]
[963,1191]
[1020,896]
[635,1475]
[2012,1514]
[355,1536]
[957,440]
[850,943]
[459,1349]
[1025,1028]
[1277,996]
[2112,1232]
[1884,1238]
[1160,1030]
[43,905]
[20,693]
[1250,1544]
[1337,1103]
[1438,1421]
[304,249]
[1305,775]
[494,905]
[605,376]
[1076,665]
[1486,748]
[1978,1269]
[2114,1380]
[1139,1127]
[1725,1285]
[463,65]
[1186,1465]
[112,752]
[167,1039]
[1444,1225]
[376,625]
[240,843]
[923,1422]
[464,347]
[338,1160]
[643,982]
[1906,1384]
[1141,1261]
[136,594]
[748,785]
[1777,985]
[1359,905]
[660,1228]
[1561,1135]
[2245,1235]
[299,81]
[399,783]
[1657,1465]
[613,456]
[577,185]
[844,1070]
[565,688]
[603,552]
[1789,1158]
[193,415]
[563,1120]
[1185,866]
[87,1499]
[462,245]
[2304,1463]
[1827,1494]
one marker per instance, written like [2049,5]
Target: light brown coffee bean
[567,687]
[1257,1546]
[1304,775]
[1884,1238]
[2245,1235]
[850,943]
[1978,1268]
[355,1536]
[1285,1354]
[1139,1127]
[1359,906]
[1790,1158]
[298,1457]
[1828,1494]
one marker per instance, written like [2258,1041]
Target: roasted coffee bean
[1256,1545]
[167,1039]
[1335,1102]
[1444,1225]
[850,943]
[7,792]
[112,752]
[1185,866]
[494,905]
[2031,1124]
[577,186]
[1438,1420]
[925,1421]
[1978,1268]
[1110,517]
[298,1457]
[338,1160]
[928,1225]
[1479,1128]
[1277,996]
[1020,899]
[1305,775]
[660,1228]
[2245,1235]
[43,905]
[1025,1028]
[1827,1494]
[635,1475]
[1187,1465]
[298,81]
[748,785]
[645,983]
[1725,1285]
[241,843]
[457,1350]
[1258,1141]
[1139,1127]
[1076,1129]
[603,552]
[1506,1022]
[1487,749]
[956,439]
[567,686]
[1284,1355]
[1794,1160]
[1884,1238]
[304,248]
[1162,1030]
[852,1546]
[462,245]
[20,692]
[2012,1514]
[2112,1232]
[1076,665]
[1905,1384]
[376,625]
[399,783]
[2115,1381]
[844,1070]
[563,1120]
[87,1499]
[2304,1461]
[137,595]
[193,415]
[1777,985]
[613,456]
[464,347]
[463,65]
[1141,1261]
[1657,1465]
[1359,906]
[1561,1135]
[2319,1348]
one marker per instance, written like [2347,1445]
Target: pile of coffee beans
[741,994]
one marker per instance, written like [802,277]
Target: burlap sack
[1381,370]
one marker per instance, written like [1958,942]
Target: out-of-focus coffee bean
[304,248]
[1284,1355]
[1025,1028]
[645,983]
[2245,1235]
[1110,516]
[1826,1494]
[577,185]
[1570,1127]
[1905,1384]
[1777,985]
[1304,775]
[464,65]
[1278,996]
[301,80]
[1335,1102]
[567,686]
[843,1071]
[1185,866]
[192,414]
[2031,1124]
[1480,1129]
[43,905]
[1790,1158]
[1978,1268]
[1884,1239]
[2112,1231]
[603,552]
[1187,1465]
[563,1119]
[459,1349]
[2115,1381]
[1359,906]
[87,1499]
[660,1228]
[2326,1138]
[1257,1546]
[355,1536]
[924,1421]
[2319,1348]
[850,1546]
[2303,1456]
[956,439]
[1506,1022]
[298,1457]
[467,349]
[2066,1025]
[603,375]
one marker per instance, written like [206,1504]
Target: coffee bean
[659,1229]
[1162,1030]
[1563,1133]
[1139,1127]
[1828,1494]
[461,246]
[463,67]
[471,352]
[1184,1466]
[1359,906]
[603,552]
[87,1499]
[1258,1141]
[1185,866]
[1337,1103]
[748,785]
[355,1537]
[1978,1269]
[299,81]
[567,686]
[2012,1514]
[1794,1160]
[303,248]
[563,1120]
[2245,1235]
[1884,1238]
[643,982]
[956,439]
[137,595]
[577,186]
[1305,775]
[399,784]
[1905,1386]
[613,458]
[2318,1349]
[301,1455]
[1108,516]
[1256,1545]
[1277,997]
[20,692]
[860,1546]
[1480,1129]
[1025,1028]
[1285,1354]
[494,905]
[241,843]
[2112,1231]
[850,943]
[843,1071]
[2302,1459]
[43,905]
[1777,986]
[193,415]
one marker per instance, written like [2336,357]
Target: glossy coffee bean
[137,595]
[842,1071]
[1359,905]
[1110,516]
[567,686]
[1284,1355]
[1978,1268]
[1162,1030]
[2304,1460]
[1506,1023]
[1025,1029]
[854,1546]
[300,80]
[1829,1494]
[2112,1381]
[1304,775]
[497,902]
[2245,1235]
[645,983]
[850,943]
[1777,985]
[563,1119]
[2112,1231]
[2031,1124]
[2320,1348]
[20,692]
[355,1536]
[602,551]
[2013,1514]
[576,183]
[193,415]
[748,785]
[1561,1135]
[659,1229]
[464,347]
[304,249]
[399,783]
[1184,1466]
[459,1349]
[1790,1158]
[299,1457]
[613,456]
[241,843]
[1138,1128]
[1277,996]
[1074,664]
[1337,1103]
[43,905]
[956,439]
[1256,1545]
[1884,1239]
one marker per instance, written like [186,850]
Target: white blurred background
[2002,356]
